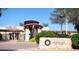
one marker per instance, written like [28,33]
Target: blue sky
[14,16]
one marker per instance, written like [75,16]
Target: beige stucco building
[29,29]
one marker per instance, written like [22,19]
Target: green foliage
[58,16]
[64,36]
[77,27]
[45,25]
[21,24]
[72,15]
[45,34]
[75,40]
[1,9]
[32,40]
[49,34]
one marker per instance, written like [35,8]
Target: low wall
[55,43]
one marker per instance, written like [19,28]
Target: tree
[59,16]
[1,9]
[45,25]
[0,12]
[74,17]
[21,24]
[77,24]
[71,15]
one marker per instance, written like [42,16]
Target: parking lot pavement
[24,46]
[14,45]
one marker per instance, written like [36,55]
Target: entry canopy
[31,23]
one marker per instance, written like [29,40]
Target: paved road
[13,45]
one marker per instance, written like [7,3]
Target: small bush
[75,41]
[32,40]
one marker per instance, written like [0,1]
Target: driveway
[24,46]
[14,46]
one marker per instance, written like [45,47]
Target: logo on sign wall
[47,42]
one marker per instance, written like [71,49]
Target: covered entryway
[31,27]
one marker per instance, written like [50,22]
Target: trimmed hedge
[75,41]
[49,34]
[63,36]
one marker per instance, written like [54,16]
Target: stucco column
[27,34]
[39,30]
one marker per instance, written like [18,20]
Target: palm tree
[73,13]
[69,14]
[59,16]
[74,17]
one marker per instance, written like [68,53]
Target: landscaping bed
[50,34]
[74,38]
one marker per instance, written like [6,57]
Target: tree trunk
[77,31]
[61,28]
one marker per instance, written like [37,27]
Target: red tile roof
[10,30]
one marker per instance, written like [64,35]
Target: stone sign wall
[55,43]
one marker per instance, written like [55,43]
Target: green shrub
[75,40]
[45,34]
[32,40]
[63,36]
[50,34]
